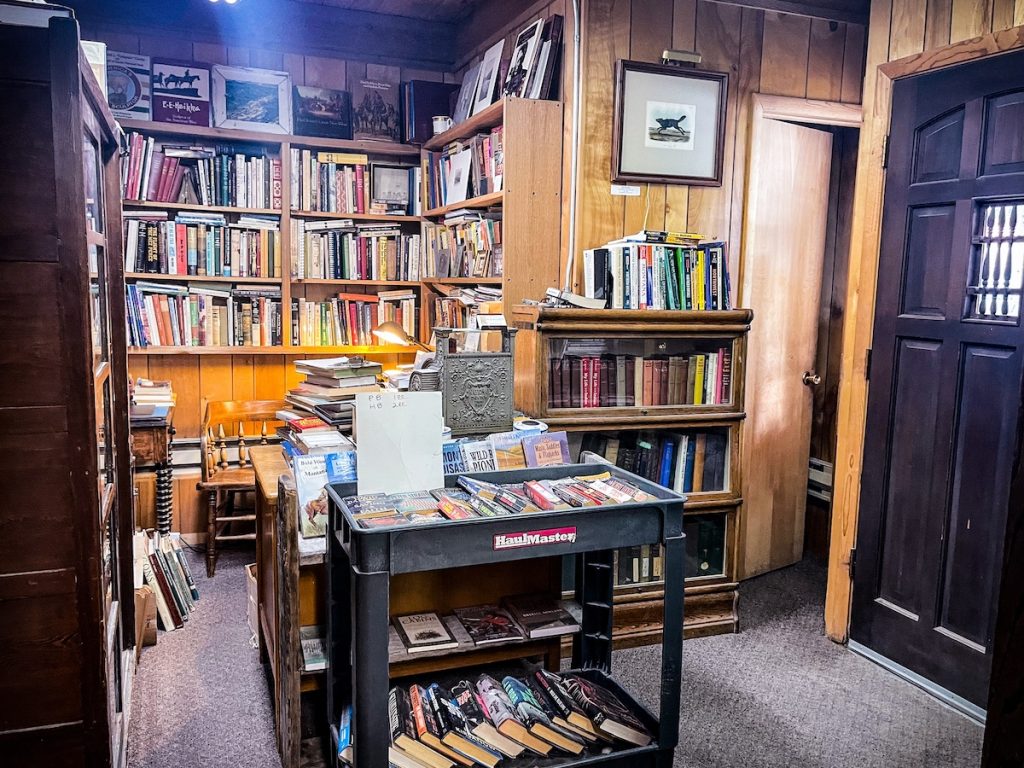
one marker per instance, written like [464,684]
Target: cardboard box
[252,610]
[145,618]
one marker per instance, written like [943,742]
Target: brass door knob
[811,379]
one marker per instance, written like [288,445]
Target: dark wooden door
[945,388]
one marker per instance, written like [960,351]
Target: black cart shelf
[362,561]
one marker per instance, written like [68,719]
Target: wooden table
[291,585]
[151,445]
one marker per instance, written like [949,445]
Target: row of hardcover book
[658,275]
[166,571]
[477,498]
[347,182]
[342,250]
[203,245]
[688,462]
[610,381]
[640,564]
[201,316]
[465,245]
[242,176]
[485,721]
[351,317]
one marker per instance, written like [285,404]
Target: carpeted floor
[777,695]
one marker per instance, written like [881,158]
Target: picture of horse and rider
[171,80]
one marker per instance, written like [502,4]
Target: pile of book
[473,498]
[465,244]
[687,462]
[151,402]
[202,315]
[350,318]
[242,176]
[517,618]
[610,381]
[303,435]
[465,169]
[488,719]
[342,250]
[164,567]
[658,270]
[330,381]
[198,243]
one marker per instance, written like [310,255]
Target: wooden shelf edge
[480,201]
[277,350]
[401,218]
[464,280]
[162,205]
[160,277]
[680,421]
[275,139]
[488,117]
[331,281]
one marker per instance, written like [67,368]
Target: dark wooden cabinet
[66,583]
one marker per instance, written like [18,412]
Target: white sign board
[398,441]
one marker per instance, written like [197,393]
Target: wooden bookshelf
[164,206]
[160,277]
[711,600]
[464,280]
[385,217]
[484,120]
[369,283]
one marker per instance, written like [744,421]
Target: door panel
[945,388]
[784,246]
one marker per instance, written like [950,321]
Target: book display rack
[376,574]
[660,393]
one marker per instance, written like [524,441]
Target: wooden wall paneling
[863,265]
[748,82]
[238,56]
[183,373]
[649,35]
[825,60]
[189,505]
[684,37]
[264,59]
[784,54]
[145,499]
[325,73]
[295,65]
[165,46]
[118,41]
[718,42]
[599,214]
[853,64]
[938,19]
[907,28]
[971,18]
[209,53]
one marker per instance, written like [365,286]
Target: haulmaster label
[534,538]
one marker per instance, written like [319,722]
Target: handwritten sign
[398,441]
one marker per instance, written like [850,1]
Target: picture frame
[245,98]
[524,54]
[389,185]
[668,124]
[490,66]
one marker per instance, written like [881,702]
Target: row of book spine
[616,381]
[658,276]
[329,182]
[481,155]
[688,462]
[200,319]
[471,248]
[345,252]
[167,573]
[201,249]
[217,176]
[350,319]
[637,564]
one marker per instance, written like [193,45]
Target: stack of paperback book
[476,498]
[486,719]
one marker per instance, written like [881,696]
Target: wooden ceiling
[444,11]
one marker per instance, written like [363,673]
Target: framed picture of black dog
[669,124]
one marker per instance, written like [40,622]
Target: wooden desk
[151,446]
[291,584]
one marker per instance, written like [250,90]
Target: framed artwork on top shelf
[251,99]
[669,124]
[523,55]
[180,93]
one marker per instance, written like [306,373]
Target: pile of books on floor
[487,719]
[476,498]
[164,568]
[517,618]
[331,381]
[658,270]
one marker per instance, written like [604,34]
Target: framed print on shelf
[251,99]
[524,53]
[669,124]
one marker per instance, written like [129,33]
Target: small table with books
[425,666]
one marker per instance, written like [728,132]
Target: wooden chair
[222,481]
